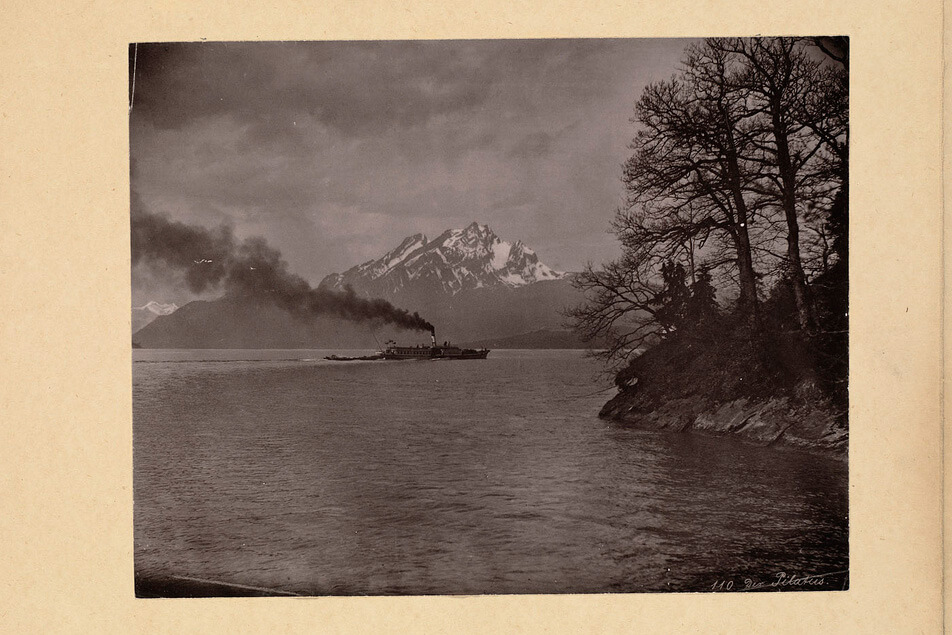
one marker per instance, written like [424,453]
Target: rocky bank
[772,422]
[719,392]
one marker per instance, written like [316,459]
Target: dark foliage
[673,300]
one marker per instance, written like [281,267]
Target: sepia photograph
[490,317]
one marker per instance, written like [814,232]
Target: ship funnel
[433,338]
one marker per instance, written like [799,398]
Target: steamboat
[393,351]
[434,351]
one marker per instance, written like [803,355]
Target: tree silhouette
[737,183]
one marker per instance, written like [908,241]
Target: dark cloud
[351,86]
[334,151]
[356,87]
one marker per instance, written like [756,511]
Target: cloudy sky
[335,151]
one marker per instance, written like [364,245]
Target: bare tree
[689,177]
[690,194]
[736,168]
[621,308]
[790,92]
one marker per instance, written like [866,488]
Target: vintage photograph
[442,317]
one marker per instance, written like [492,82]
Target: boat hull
[434,353]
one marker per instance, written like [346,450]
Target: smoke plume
[212,259]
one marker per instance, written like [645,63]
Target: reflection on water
[288,472]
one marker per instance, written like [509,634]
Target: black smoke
[215,259]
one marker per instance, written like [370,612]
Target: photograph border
[65,254]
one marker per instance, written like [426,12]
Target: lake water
[279,470]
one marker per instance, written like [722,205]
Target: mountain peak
[157,307]
[457,259]
[145,314]
[476,229]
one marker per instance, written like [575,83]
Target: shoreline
[776,422]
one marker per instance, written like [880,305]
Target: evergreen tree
[702,310]
[673,300]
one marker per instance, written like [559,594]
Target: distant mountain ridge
[157,307]
[457,260]
[237,322]
[143,315]
[469,283]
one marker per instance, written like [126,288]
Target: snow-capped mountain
[142,315]
[458,260]
[469,283]
[157,307]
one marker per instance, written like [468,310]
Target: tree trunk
[788,179]
[748,302]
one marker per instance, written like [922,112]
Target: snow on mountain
[458,259]
[143,315]
[157,307]
[469,283]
